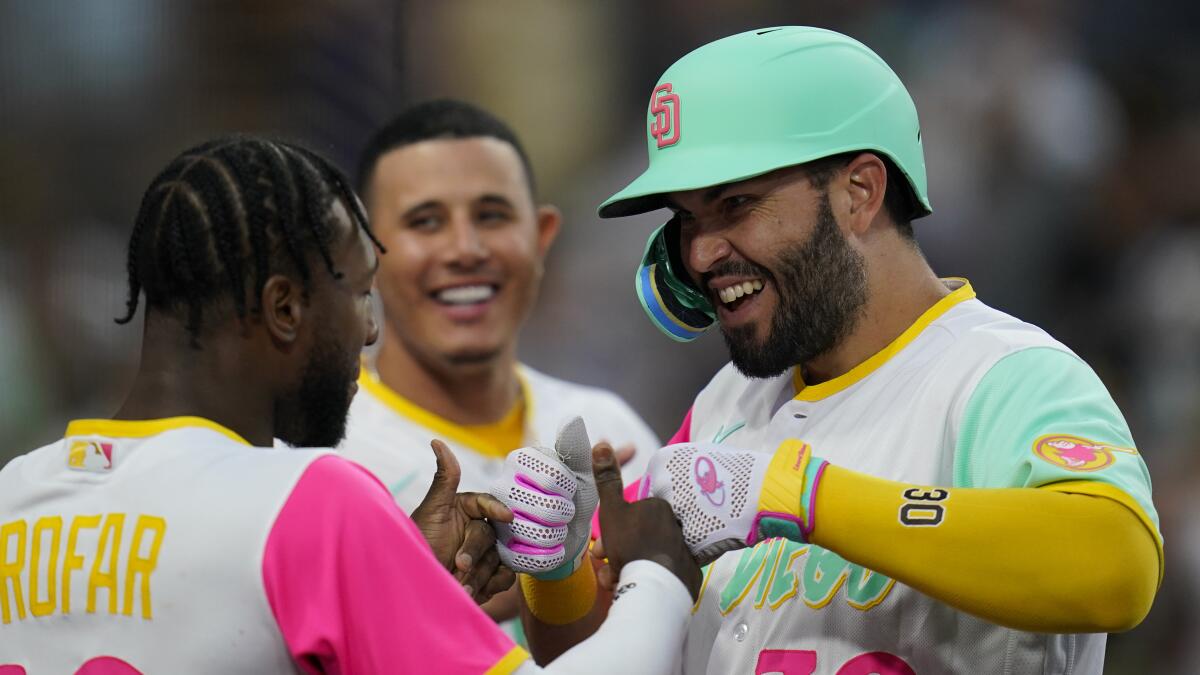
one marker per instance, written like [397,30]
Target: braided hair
[223,216]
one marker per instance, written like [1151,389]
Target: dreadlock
[224,216]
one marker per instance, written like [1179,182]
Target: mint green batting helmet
[747,105]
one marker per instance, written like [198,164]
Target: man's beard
[315,416]
[822,288]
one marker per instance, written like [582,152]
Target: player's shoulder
[378,419]
[555,392]
[342,480]
[983,335]
[22,464]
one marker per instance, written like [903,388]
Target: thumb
[608,481]
[572,446]
[445,479]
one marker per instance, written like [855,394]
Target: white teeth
[465,295]
[738,290]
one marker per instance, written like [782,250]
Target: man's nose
[467,247]
[703,251]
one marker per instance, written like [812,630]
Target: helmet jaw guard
[675,306]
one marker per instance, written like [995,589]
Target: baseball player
[891,476]
[174,538]
[452,195]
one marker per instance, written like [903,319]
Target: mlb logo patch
[94,456]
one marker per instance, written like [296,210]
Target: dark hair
[224,216]
[898,198]
[440,119]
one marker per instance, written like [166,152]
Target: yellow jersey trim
[509,662]
[145,428]
[1098,489]
[826,389]
[508,432]
[439,425]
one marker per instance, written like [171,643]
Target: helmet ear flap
[675,306]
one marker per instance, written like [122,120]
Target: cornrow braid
[223,216]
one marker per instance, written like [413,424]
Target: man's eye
[737,201]
[424,222]
[494,216]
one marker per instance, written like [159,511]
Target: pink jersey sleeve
[633,491]
[356,589]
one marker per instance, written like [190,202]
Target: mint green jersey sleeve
[1041,416]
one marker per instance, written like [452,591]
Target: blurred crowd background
[1062,141]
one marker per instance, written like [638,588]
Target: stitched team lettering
[772,570]
[48,562]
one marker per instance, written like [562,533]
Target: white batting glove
[552,495]
[728,498]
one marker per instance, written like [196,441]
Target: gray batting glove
[552,495]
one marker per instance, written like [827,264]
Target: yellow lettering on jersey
[707,570]
[72,562]
[51,525]
[824,574]
[784,581]
[143,566]
[110,542]
[10,568]
[774,553]
[865,589]
[749,568]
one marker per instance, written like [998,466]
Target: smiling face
[787,283]
[465,248]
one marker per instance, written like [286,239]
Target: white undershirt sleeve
[643,634]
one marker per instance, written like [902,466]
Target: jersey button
[740,631]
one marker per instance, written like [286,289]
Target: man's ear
[866,185]
[549,222]
[283,309]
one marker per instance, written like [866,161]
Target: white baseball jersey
[968,396]
[390,435]
[174,546]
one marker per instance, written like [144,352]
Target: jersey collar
[452,431]
[961,293]
[145,428]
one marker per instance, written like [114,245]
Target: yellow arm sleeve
[1054,559]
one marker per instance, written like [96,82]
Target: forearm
[644,631]
[558,615]
[1036,559]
